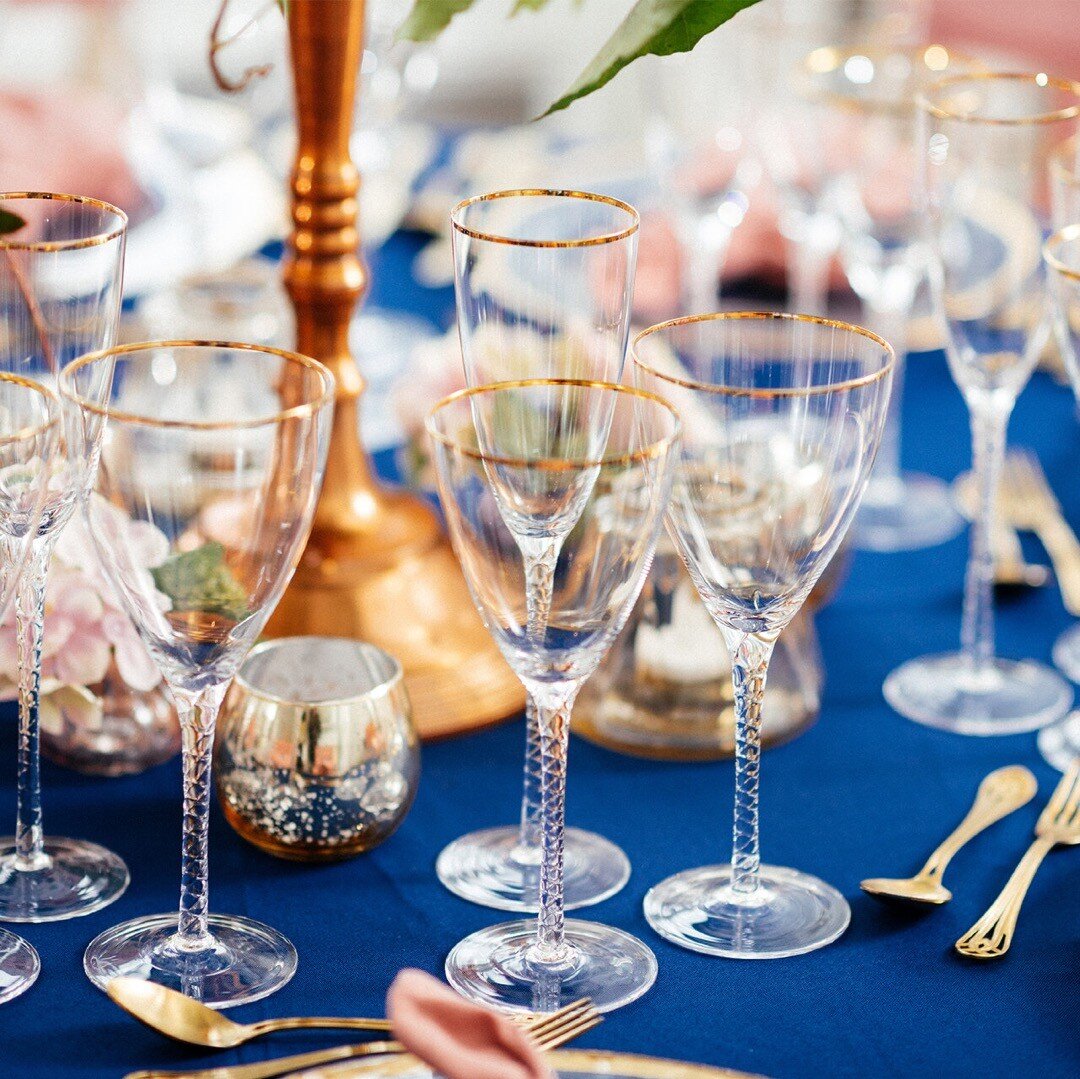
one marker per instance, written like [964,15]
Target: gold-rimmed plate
[571,1064]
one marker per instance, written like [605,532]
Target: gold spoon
[999,794]
[176,1016]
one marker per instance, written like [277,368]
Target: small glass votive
[317,758]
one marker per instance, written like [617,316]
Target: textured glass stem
[540,560]
[553,706]
[749,668]
[198,714]
[30,629]
[988,426]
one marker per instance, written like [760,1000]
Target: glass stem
[749,668]
[890,322]
[198,714]
[989,422]
[30,629]
[553,707]
[809,264]
[541,558]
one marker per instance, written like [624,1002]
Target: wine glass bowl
[986,142]
[782,416]
[543,281]
[202,502]
[591,507]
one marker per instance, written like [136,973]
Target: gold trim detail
[114,233]
[40,429]
[1039,79]
[1056,241]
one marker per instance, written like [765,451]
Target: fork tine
[540,1023]
[1064,792]
[584,1024]
[565,1022]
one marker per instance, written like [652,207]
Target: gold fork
[1059,823]
[1028,503]
[549,1031]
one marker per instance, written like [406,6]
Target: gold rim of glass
[307,408]
[762,316]
[1062,161]
[814,66]
[1053,243]
[383,689]
[105,237]
[554,464]
[1038,79]
[538,192]
[34,430]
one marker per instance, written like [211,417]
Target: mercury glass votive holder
[317,758]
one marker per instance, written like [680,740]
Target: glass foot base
[1060,742]
[790,913]
[74,878]
[1007,698]
[918,511]
[489,868]
[1066,654]
[19,965]
[245,960]
[497,967]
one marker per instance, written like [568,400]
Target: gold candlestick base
[377,566]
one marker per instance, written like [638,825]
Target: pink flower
[85,626]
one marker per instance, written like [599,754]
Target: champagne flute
[782,416]
[543,281]
[986,142]
[1060,742]
[862,107]
[61,276]
[29,437]
[202,503]
[582,469]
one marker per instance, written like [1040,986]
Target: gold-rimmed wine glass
[860,103]
[1060,742]
[208,463]
[985,145]
[586,464]
[29,438]
[543,280]
[61,278]
[782,416]
[1064,166]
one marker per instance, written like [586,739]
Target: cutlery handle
[990,805]
[271,1069]
[267,1026]
[1064,550]
[992,934]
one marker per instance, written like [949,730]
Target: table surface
[863,793]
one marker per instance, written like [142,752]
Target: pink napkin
[457,1039]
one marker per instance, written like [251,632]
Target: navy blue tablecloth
[862,793]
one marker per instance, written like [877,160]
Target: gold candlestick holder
[378,566]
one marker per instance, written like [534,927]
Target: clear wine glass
[1064,165]
[61,277]
[543,281]
[861,102]
[1060,742]
[782,416]
[29,437]
[986,142]
[201,506]
[576,473]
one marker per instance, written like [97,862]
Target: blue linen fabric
[862,793]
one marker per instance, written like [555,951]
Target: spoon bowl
[914,889]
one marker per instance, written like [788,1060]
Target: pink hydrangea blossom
[85,626]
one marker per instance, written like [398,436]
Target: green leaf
[528,5]
[652,27]
[429,18]
[10,222]
[200,580]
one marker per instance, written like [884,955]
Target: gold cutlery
[1059,823]
[186,1020]
[999,794]
[1028,503]
[549,1031]
[1011,569]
